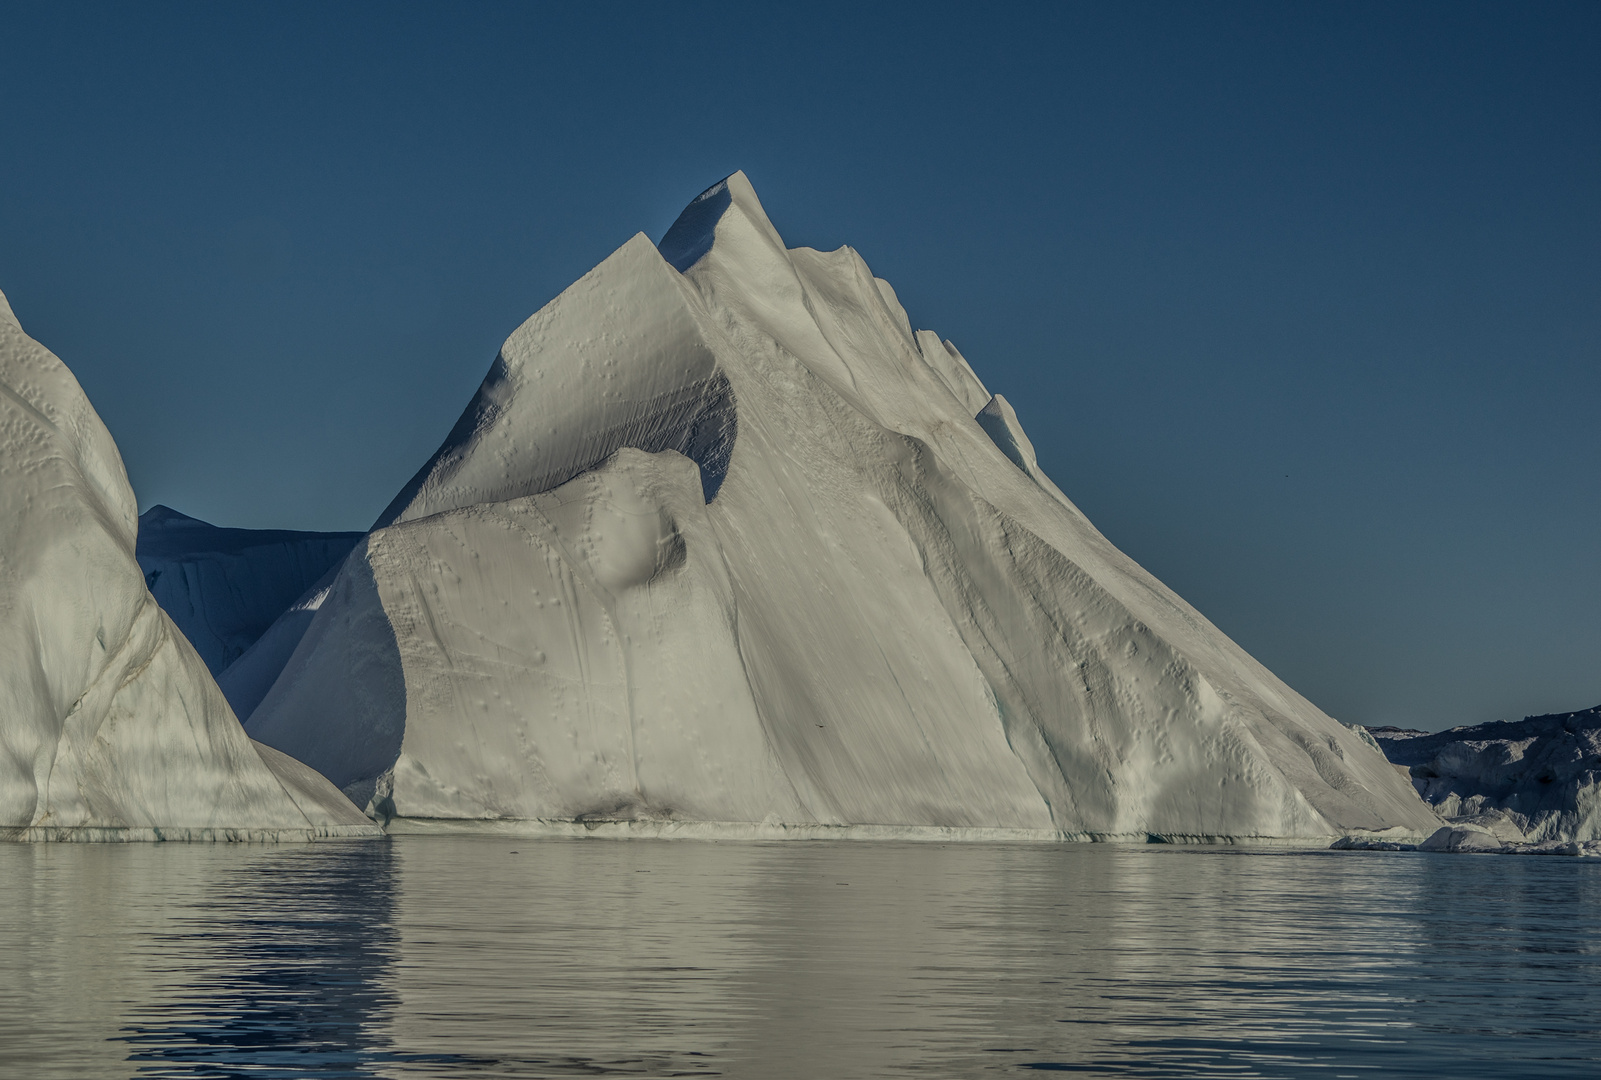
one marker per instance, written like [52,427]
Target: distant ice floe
[1530,786]
[111,727]
[1465,839]
[723,545]
[224,587]
[243,597]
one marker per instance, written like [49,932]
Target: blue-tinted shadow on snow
[691,236]
[348,664]
[709,438]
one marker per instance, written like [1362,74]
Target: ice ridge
[617,360]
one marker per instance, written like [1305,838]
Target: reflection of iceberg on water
[722,544]
[282,965]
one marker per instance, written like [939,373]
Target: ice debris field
[722,546]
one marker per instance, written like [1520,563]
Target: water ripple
[462,957]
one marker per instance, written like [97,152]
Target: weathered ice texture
[110,725]
[724,545]
[1535,780]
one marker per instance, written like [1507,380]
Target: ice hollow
[725,543]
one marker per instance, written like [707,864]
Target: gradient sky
[1300,303]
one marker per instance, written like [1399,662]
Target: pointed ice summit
[110,725]
[724,545]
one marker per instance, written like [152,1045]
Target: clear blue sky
[1301,303]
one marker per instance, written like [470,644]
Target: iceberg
[1535,780]
[243,597]
[224,587]
[111,727]
[724,546]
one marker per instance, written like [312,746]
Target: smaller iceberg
[1535,780]
[225,587]
[111,726]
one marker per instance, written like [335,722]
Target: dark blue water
[450,957]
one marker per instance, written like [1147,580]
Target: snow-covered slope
[225,587]
[723,542]
[1536,779]
[246,681]
[110,725]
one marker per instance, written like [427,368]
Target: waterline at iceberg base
[724,545]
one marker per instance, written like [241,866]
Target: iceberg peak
[165,515]
[690,237]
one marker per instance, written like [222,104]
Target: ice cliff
[723,543]
[1535,780]
[110,725]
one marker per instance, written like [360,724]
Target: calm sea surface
[453,957]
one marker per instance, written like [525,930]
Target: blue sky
[1300,303]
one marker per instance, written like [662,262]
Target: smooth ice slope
[1536,779]
[243,597]
[225,587]
[723,543]
[110,725]
[246,681]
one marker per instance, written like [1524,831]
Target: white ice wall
[110,725]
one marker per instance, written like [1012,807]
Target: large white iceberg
[724,545]
[110,725]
